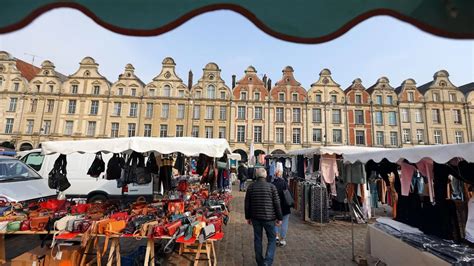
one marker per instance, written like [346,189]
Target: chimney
[190,80]
[233,81]
[269,84]
[264,79]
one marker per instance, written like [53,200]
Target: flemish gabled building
[359,120]
[385,112]
[289,112]
[446,116]
[326,103]
[468,90]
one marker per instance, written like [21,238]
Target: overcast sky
[380,46]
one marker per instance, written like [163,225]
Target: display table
[394,251]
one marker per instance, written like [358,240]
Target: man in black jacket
[263,211]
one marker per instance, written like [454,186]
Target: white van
[83,185]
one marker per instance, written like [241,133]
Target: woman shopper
[242,175]
[281,184]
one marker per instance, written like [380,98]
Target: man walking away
[263,211]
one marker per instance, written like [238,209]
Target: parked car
[83,185]
[20,183]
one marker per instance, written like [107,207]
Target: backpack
[114,167]
[97,167]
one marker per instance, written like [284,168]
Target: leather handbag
[176,207]
[80,208]
[159,231]
[119,216]
[288,199]
[39,223]
[217,222]
[80,225]
[172,227]
[102,225]
[197,229]
[52,204]
[97,167]
[115,227]
[206,232]
[13,226]
[25,225]
[62,224]
[73,224]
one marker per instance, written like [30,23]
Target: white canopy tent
[438,153]
[186,145]
[235,156]
[340,150]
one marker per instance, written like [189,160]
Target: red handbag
[182,186]
[176,207]
[80,208]
[217,222]
[25,225]
[172,227]
[52,204]
[159,231]
[119,216]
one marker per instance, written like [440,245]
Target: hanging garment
[354,173]
[382,190]
[417,183]
[329,168]
[406,176]
[425,166]
[319,204]
[179,164]
[457,188]
[294,168]
[287,163]
[374,197]
[366,207]
[272,169]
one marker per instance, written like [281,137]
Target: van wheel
[97,198]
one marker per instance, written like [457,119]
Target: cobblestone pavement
[307,243]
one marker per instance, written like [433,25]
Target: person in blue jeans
[263,212]
[281,184]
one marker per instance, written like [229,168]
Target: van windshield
[15,170]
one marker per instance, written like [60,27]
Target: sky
[380,46]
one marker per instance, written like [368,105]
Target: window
[195,131]
[358,98]
[147,130]
[281,97]
[296,115]
[71,107]
[208,132]
[258,113]
[394,138]
[378,118]
[180,111]
[452,97]
[1,81]
[360,137]
[336,116]
[38,88]
[179,131]
[438,139]
[209,112]
[318,98]
[359,117]
[29,126]
[166,91]
[114,132]
[389,99]
[435,115]
[296,135]
[152,92]
[222,95]
[133,109]
[333,98]
[257,134]
[419,115]
[50,106]
[181,94]
[420,135]
[211,92]
[16,86]
[222,113]
[243,95]
[392,118]
[459,137]
[51,88]
[133,92]
[405,115]
[198,95]
[117,109]
[240,133]
[406,135]
[74,89]
[120,91]
[34,105]
[96,90]
[279,135]
[411,96]
[256,96]
[378,99]
[131,129]
[165,110]
[149,110]
[337,135]
[294,97]
[68,128]
[280,114]
[379,138]
[94,107]
[91,128]
[163,131]
[241,113]
[316,115]
[47,127]
[435,97]
[317,135]
[196,111]
[12,106]
[457,116]
[222,132]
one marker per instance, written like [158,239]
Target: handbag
[39,223]
[102,225]
[217,222]
[206,232]
[80,208]
[176,207]
[159,231]
[25,225]
[197,229]
[53,205]
[115,227]
[3,226]
[119,216]
[97,167]
[288,198]
[13,226]
[57,178]
[114,167]
[172,227]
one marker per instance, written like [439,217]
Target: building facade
[40,104]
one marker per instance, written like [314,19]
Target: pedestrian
[281,184]
[242,175]
[263,211]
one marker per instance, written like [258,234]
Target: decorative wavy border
[243,11]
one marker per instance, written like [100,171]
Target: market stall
[191,212]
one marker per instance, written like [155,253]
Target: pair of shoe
[280,243]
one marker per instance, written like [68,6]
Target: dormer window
[152,92]
[436,97]
[281,96]
[87,73]
[120,91]
[46,72]
[243,95]
[211,77]
[129,75]
[198,94]
[51,88]
[333,98]
[38,88]
[358,99]
[318,98]
[287,80]
[222,95]
[181,93]
[96,90]
[166,91]
[211,92]
[256,96]
[74,89]
[294,97]
[411,96]
[134,92]
[389,100]
[1,82]
[378,99]
[452,97]
[250,78]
